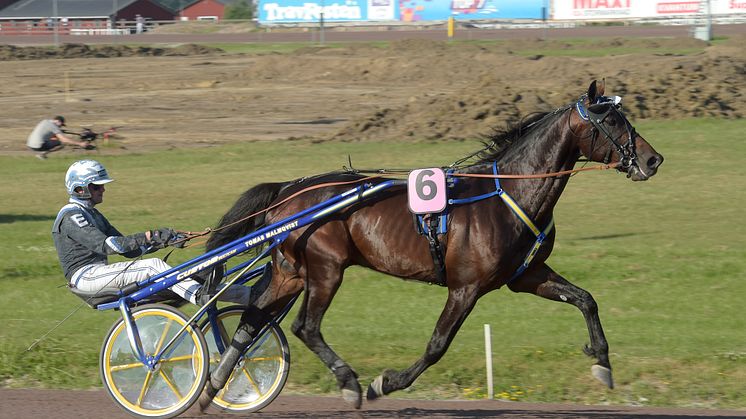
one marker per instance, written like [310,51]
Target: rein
[192,235]
[379,173]
[538,175]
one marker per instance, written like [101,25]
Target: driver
[47,137]
[84,238]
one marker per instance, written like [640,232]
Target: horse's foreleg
[459,305]
[307,327]
[544,282]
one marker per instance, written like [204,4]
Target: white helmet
[82,173]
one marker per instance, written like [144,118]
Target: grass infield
[664,259]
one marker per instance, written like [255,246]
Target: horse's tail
[234,223]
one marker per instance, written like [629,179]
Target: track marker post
[488,357]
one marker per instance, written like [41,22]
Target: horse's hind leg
[307,327]
[544,282]
[269,295]
[460,303]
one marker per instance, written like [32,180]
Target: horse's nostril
[654,162]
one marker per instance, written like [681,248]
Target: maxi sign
[285,11]
[624,9]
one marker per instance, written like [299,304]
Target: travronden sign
[306,11]
[624,9]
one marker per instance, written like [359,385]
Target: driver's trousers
[96,277]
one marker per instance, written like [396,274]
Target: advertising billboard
[422,10]
[286,11]
[625,9]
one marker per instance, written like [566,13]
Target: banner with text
[625,9]
[286,11]
[423,10]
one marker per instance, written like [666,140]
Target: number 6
[427,190]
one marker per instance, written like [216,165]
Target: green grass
[665,260]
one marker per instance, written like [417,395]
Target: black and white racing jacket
[83,236]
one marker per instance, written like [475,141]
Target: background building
[31,16]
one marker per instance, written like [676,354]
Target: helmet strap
[82,193]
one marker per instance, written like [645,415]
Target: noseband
[627,152]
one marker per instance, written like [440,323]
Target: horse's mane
[498,144]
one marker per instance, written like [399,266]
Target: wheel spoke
[162,338]
[264,358]
[170,384]
[145,386]
[117,368]
[177,358]
[251,380]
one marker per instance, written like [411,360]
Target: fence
[71,27]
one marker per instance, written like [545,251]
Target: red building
[71,16]
[206,10]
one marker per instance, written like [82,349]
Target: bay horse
[484,248]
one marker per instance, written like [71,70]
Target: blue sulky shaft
[275,232]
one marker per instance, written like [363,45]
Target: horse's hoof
[205,399]
[375,389]
[352,397]
[603,375]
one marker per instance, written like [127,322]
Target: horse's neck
[553,151]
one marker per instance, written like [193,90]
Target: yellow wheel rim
[175,379]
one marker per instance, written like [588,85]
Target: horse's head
[607,136]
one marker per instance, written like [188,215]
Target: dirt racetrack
[60,404]
[421,89]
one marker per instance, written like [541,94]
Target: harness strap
[541,235]
[430,226]
[469,200]
[435,250]
[534,250]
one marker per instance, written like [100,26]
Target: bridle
[627,151]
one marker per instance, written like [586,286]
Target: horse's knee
[586,302]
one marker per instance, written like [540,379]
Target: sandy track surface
[63,404]
[412,89]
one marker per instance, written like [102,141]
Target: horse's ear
[595,90]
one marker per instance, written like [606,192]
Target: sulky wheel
[259,375]
[174,384]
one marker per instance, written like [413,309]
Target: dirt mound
[652,85]
[413,89]
[12,52]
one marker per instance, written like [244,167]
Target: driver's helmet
[82,173]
